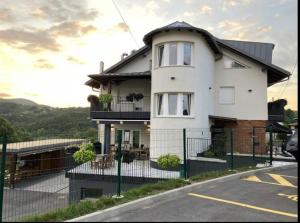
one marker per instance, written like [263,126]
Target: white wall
[195,79]
[248,105]
[139,64]
[144,133]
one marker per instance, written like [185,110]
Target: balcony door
[136,139]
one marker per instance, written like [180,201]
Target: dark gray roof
[262,51]
[185,26]
[97,79]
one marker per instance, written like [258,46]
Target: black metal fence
[42,175]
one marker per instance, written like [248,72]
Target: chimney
[101,66]
[124,55]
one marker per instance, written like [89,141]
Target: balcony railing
[122,108]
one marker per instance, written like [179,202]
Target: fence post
[253,143]
[4,144]
[184,155]
[119,140]
[231,149]
[271,146]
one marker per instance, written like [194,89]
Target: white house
[184,77]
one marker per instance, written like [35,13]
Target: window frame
[179,104]
[236,61]
[234,96]
[179,54]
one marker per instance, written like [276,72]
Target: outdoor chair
[108,161]
[144,154]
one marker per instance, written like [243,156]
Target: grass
[88,206]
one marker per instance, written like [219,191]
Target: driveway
[270,196]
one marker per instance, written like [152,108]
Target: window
[187,52]
[226,95]
[186,104]
[126,136]
[161,55]
[174,54]
[230,63]
[160,105]
[176,104]
[172,101]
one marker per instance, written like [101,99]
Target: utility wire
[116,6]
[284,88]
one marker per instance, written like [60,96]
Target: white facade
[211,87]
[250,85]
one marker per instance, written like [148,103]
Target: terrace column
[107,133]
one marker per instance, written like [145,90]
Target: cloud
[264,29]
[75,60]
[29,41]
[43,64]
[61,10]
[34,41]
[32,94]
[39,13]
[4,95]
[71,29]
[206,10]
[120,27]
[152,5]
[5,15]
[60,19]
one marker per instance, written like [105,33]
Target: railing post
[231,149]
[3,158]
[271,146]
[253,143]
[184,155]
[119,140]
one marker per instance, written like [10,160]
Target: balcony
[121,108]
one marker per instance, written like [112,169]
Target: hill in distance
[34,120]
[21,101]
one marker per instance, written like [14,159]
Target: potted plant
[138,96]
[94,100]
[106,99]
[130,97]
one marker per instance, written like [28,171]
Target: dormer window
[231,63]
[174,54]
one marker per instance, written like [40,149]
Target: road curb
[133,205]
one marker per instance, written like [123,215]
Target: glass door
[136,139]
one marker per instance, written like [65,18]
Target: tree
[6,129]
[289,116]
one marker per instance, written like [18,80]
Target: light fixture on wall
[250,90]
[172,78]
[121,122]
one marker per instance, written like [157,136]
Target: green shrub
[105,98]
[168,161]
[209,153]
[87,146]
[85,154]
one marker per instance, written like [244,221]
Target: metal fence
[42,175]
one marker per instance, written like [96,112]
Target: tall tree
[6,128]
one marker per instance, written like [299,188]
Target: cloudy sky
[47,47]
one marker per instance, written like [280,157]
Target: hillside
[32,120]
[21,101]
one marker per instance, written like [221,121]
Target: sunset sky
[48,47]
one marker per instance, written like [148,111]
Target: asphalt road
[264,197]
